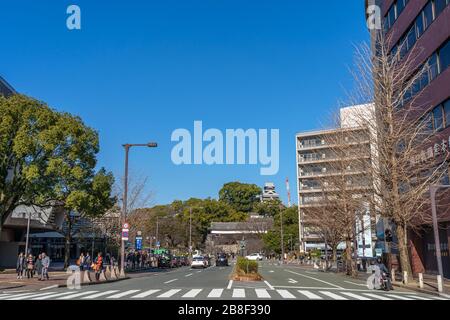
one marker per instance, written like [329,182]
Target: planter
[247,278]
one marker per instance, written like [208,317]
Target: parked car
[255,257]
[199,262]
[222,260]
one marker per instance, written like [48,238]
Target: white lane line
[356,284]
[269,285]
[170,281]
[192,293]
[333,295]
[53,296]
[230,284]
[76,295]
[199,271]
[271,271]
[145,294]
[354,296]
[101,294]
[188,275]
[399,297]
[30,296]
[262,293]
[310,295]
[238,293]
[302,275]
[376,296]
[286,294]
[123,294]
[169,293]
[215,293]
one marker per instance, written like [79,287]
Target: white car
[255,257]
[199,262]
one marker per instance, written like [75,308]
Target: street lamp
[433,190]
[282,236]
[125,195]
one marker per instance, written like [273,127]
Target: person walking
[38,266]
[98,266]
[80,261]
[87,262]
[45,266]
[20,265]
[30,266]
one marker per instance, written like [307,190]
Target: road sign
[242,244]
[138,243]
[124,234]
[158,244]
[378,252]
[126,225]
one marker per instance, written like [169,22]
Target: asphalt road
[280,283]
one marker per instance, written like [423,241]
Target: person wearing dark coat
[20,265]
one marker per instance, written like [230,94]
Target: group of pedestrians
[29,266]
[86,264]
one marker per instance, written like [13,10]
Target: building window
[439,6]
[419,26]
[428,15]
[447,113]
[438,118]
[444,57]
[433,67]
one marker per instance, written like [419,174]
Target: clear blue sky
[137,70]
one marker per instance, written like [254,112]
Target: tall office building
[424,25]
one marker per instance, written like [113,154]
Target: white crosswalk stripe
[215,293]
[30,296]
[145,294]
[420,298]
[76,295]
[192,293]
[376,296]
[15,295]
[123,294]
[100,294]
[355,296]
[333,295]
[399,297]
[238,293]
[169,293]
[262,293]
[53,296]
[310,295]
[286,294]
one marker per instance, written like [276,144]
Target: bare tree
[404,145]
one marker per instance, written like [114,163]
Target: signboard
[242,244]
[379,252]
[126,226]
[125,234]
[138,243]
[158,244]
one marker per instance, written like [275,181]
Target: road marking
[145,294]
[302,275]
[169,293]
[123,294]
[286,294]
[310,295]
[51,287]
[76,295]
[376,296]
[98,295]
[356,284]
[188,275]
[399,297]
[170,281]
[230,284]
[192,293]
[271,271]
[262,293]
[30,296]
[333,295]
[238,293]
[269,285]
[292,281]
[215,293]
[355,296]
[199,271]
[421,298]
[52,296]
[17,295]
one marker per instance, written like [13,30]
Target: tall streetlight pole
[125,196]
[433,190]
[282,235]
[190,231]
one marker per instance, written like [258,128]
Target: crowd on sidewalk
[29,266]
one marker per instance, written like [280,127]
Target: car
[199,262]
[222,260]
[255,257]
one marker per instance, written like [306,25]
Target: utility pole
[190,231]
[288,192]
[282,235]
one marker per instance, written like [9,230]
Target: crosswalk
[218,293]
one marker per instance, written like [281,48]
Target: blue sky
[137,70]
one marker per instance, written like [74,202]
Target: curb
[434,293]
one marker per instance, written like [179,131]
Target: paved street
[280,283]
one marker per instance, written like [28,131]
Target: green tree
[272,239]
[268,208]
[240,196]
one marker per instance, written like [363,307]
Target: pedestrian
[80,261]
[30,266]
[20,265]
[87,262]
[98,266]
[38,266]
[45,266]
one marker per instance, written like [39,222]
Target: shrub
[246,266]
